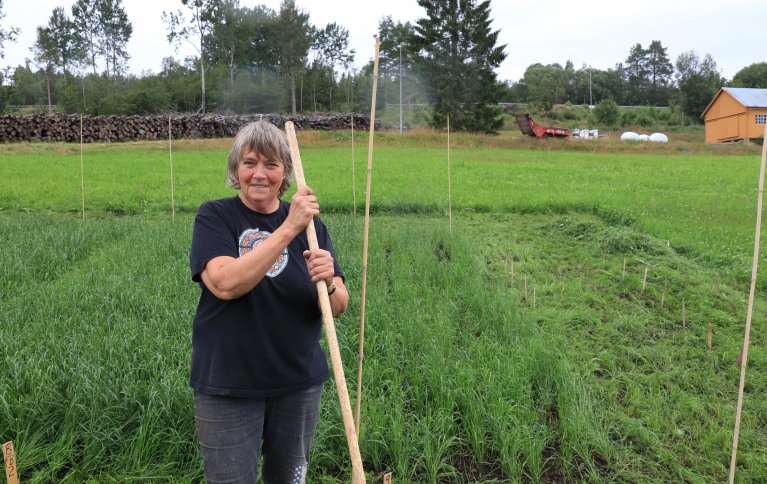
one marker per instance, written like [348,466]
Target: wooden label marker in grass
[387,478]
[623,273]
[644,280]
[11,469]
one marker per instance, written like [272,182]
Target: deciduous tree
[292,36]
[195,29]
[698,81]
[6,35]
[116,30]
[754,76]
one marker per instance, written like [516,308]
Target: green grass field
[512,349]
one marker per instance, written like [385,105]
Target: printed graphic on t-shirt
[250,238]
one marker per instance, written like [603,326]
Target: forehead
[254,155]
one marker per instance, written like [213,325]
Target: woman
[257,365]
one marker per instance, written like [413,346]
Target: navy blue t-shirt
[265,343]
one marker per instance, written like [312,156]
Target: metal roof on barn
[748,97]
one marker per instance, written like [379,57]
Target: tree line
[257,59]
[646,78]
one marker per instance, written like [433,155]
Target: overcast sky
[599,33]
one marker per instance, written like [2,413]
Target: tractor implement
[528,127]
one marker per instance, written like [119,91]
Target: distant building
[736,113]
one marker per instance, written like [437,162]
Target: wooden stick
[358,474]
[82,171]
[623,274]
[387,478]
[170,155]
[663,296]
[525,287]
[11,468]
[449,194]
[644,281]
[365,237]
[354,190]
[757,238]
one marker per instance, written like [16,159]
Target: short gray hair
[263,138]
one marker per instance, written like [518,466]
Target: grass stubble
[464,381]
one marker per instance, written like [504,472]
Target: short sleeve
[211,237]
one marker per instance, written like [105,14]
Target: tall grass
[464,381]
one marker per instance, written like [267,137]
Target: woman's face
[260,180]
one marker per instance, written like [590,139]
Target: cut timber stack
[106,129]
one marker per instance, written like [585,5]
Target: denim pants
[233,431]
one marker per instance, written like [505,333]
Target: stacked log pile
[106,129]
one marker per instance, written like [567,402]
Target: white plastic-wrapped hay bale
[629,136]
[643,137]
[658,138]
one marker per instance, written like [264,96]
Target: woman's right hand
[303,208]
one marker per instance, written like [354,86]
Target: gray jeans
[231,432]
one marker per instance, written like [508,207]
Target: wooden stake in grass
[644,280]
[358,474]
[449,194]
[387,478]
[754,266]
[365,238]
[525,287]
[710,335]
[623,274]
[82,171]
[354,189]
[11,469]
[170,156]
[663,296]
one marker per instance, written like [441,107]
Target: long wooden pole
[750,307]
[365,238]
[82,169]
[449,194]
[354,189]
[170,155]
[358,474]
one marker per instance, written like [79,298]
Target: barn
[736,113]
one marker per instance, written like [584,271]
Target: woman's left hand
[320,264]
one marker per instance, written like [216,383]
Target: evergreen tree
[637,73]
[458,55]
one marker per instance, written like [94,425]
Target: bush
[607,113]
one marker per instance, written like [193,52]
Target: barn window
[761,119]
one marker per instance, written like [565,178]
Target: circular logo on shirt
[251,238]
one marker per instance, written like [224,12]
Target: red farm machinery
[528,127]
